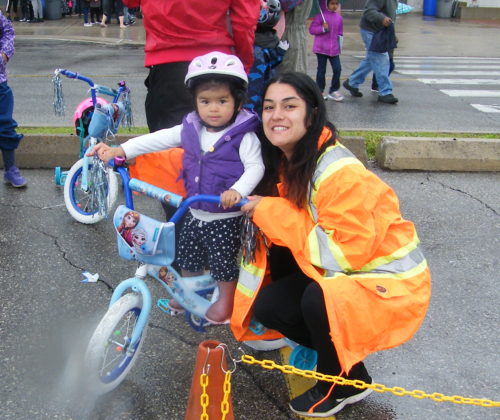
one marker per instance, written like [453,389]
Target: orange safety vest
[162,169]
[353,241]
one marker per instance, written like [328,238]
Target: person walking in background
[85,4]
[12,8]
[268,53]
[37,11]
[328,28]
[110,7]
[95,11]
[171,44]
[296,15]
[377,15]
[9,139]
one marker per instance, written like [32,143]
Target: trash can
[429,8]
[53,9]
[444,8]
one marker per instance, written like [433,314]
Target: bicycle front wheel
[109,357]
[85,206]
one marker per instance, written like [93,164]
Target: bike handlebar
[175,200]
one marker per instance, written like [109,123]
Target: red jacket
[181,30]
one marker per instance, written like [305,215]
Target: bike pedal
[163,305]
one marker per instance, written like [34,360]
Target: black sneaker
[304,405]
[388,99]
[354,91]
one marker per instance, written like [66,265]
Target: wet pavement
[47,314]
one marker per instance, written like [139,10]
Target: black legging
[294,305]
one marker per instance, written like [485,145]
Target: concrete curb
[48,151]
[439,154]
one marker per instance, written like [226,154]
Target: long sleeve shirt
[250,155]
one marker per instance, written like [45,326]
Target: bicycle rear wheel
[109,358]
[86,206]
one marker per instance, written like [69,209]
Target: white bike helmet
[216,63]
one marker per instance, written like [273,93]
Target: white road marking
[487,108]
[460,81]
[448,72]
[449,66]
[469,93]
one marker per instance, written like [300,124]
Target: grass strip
[372,138]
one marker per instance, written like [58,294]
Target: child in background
[9,139]
[327,28]
[95,11]
[221,156]
[268,53]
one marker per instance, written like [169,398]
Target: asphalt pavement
[47,314]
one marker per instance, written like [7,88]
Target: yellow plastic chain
[416,393]
[224,405]
[204,396]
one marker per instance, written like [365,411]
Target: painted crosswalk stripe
[424,65]
[448,72]
[460,81]
[469,93]
[465,59]
[487,108]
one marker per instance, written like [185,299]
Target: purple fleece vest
[217,170]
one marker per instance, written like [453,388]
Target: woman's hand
[249,207]
[105,152]
[229,198]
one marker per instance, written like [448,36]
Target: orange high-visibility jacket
[353,241]
[162,169]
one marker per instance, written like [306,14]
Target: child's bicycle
[90,189]
[117,340]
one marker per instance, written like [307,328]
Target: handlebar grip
[155,192]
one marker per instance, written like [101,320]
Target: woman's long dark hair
[298,171]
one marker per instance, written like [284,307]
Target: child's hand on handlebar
[230,198]
[105,152]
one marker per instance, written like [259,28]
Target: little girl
[222,156]
[327,28]
[9,139]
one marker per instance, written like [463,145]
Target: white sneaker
[325,97]
[336,96]
[87,24]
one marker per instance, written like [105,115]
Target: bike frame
[189,292]
[114,94]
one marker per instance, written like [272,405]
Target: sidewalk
[418,35]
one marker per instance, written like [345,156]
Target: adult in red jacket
[179,30]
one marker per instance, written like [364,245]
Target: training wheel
[57,175]
[303,358]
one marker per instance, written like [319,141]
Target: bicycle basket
[143,238]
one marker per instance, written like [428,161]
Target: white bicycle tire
[87,219]
[97,345]
[266,345]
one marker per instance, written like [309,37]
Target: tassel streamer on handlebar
[127,102]
[58,103]
[249,233]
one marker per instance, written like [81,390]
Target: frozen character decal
[127,225]
[139,238]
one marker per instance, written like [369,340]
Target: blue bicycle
[91,188]
[117,340]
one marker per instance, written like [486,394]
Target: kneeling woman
[347,276]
